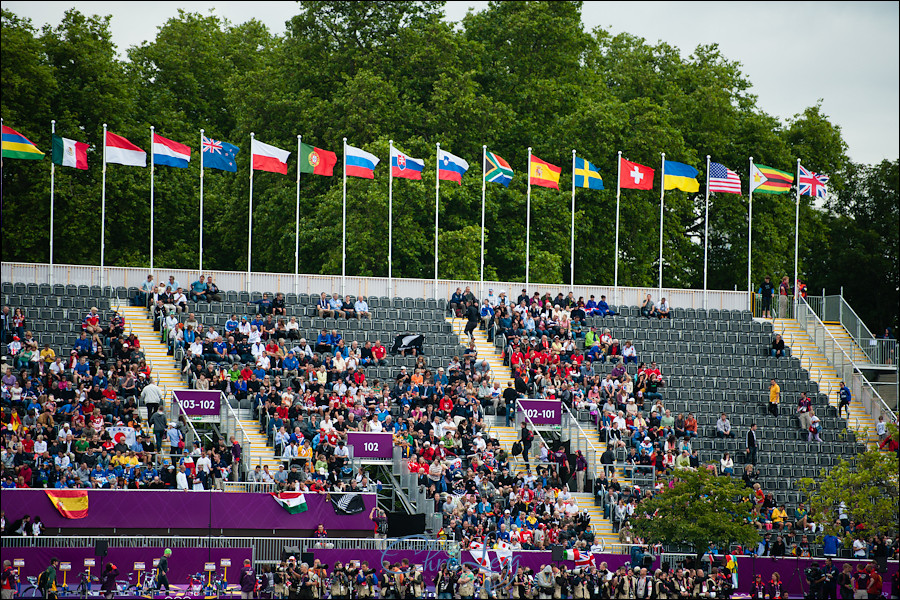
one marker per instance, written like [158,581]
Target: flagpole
[391,219]
[344,225]
[201,202]
[572,250]
[52,189]
[152,163]
[797,237]
[750,240]
[706,238]
[103,212]
[437,205]
[483,187]
[297,219]
[250,215]
[528,225]
[618,196]
[662,202]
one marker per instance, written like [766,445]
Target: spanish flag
[543,173]
[72,504]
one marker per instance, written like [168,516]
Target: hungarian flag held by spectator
[293,502]
[72,504]
[317,161]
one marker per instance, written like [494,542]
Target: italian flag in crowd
[582,559]
[293,502]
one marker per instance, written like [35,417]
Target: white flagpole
[437,205]
[662,202]
[391,219]
[750,240]
[483,181]
[250,215]
[344,225]
[152,163]
[797,238]
[706,237]
[618,195]
[201,202]
[103,212]
[52,186]
[572,249]
[528,224]
[297,219]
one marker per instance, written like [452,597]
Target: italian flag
[582,559]
[69,153]
[293,502]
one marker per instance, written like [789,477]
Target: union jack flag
[812,184]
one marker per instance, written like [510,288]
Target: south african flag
[497,170]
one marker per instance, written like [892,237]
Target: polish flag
[120,151]
[269,158]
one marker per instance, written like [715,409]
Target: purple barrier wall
[183,563]
[153,509]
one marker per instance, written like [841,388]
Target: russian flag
[405,166]
[360,163]
[169,153]
[450,167]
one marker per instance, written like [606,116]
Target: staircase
[825,375]
[849,345]
[260,453]
[486,351]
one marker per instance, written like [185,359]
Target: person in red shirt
[516,358]
[379,352]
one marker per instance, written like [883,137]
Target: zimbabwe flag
[766,180]
[72,504]
[317,161]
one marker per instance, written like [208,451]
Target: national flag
[293,502]
[679,176]
[268,158]
[582,559]
[635,176]
[120,151]
[16,145]
[169,153]
[317,161]
[69,153]
[543,173]
[723,179]
[498,170]
[405,166]
[766,180]
[124,435]
[479,554]
[812,184]
[360,163]
[587,175]
[504,552]
[72,504]
[217,154]
[347,504]
[450,167]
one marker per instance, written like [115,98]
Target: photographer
[340,582]
[816,580]
[364,581]
[444,582]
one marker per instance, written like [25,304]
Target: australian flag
[347,504]
[219,155]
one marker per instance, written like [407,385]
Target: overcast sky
[846,53]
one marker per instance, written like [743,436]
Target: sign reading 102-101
[541,412]
[200,404]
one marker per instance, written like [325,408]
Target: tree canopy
[512,75]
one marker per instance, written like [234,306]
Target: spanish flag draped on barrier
[72,504]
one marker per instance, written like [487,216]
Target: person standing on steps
[510,395]
[845,397]
[473,317]
[766,291]
[526,437]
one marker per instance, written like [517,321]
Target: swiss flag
[635,176]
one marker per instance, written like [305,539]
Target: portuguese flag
[317,161]
[293,502]
[72,504]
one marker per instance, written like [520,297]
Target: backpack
[516,449]
[44,581]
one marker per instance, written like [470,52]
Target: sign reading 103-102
[200,405]
[541,412]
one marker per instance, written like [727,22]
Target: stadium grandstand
[343,439]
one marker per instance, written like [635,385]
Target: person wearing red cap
[108,580]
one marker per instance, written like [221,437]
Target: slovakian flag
[634,176]
[451,167]
[268,158]
[360,163]
[72,504]
[543,173]
[169,153]
[293,502]
[120,151]
[405,166]
[316,161]
[69,153]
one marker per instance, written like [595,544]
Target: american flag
[723,179]
[812,184]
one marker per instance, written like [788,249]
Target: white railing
[238,428]
[357,286]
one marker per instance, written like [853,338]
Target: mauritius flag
[498,170]
[293,502]
[317,161]
[16,145]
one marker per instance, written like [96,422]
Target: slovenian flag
[120,151]
[293,502]
[169,153]
[405,166]
[268,158]
[450,167]
[360,163]
[69,153]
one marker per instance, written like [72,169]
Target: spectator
[347,307]
[323,307]
[723,427]
[766,290]
[145,296]
[264,304]
[784,291]
[663,311]
[727,464]
[804,412]
[774,398]
[362,308]
[845,398]
[751,444]
[648,307]
[335,305]
[198,289]
[213,294]
[778,347]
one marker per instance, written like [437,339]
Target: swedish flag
[587,175]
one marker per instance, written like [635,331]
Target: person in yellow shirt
[774,398]
[305,452]
[779,518]
[48,355]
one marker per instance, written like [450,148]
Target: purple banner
[200,403]
[541,412]
[371,445]
[177,510]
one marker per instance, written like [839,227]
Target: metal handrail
[245,439]
[187,419]
[530,422]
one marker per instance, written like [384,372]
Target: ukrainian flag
[587,175]
[680,176]
[16,145]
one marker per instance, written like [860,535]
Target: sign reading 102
[371,446]
[189,404]
[546,413]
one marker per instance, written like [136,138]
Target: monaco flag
[635,176]
[120,151]
[268,158]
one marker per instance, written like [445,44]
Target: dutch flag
[169,153]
